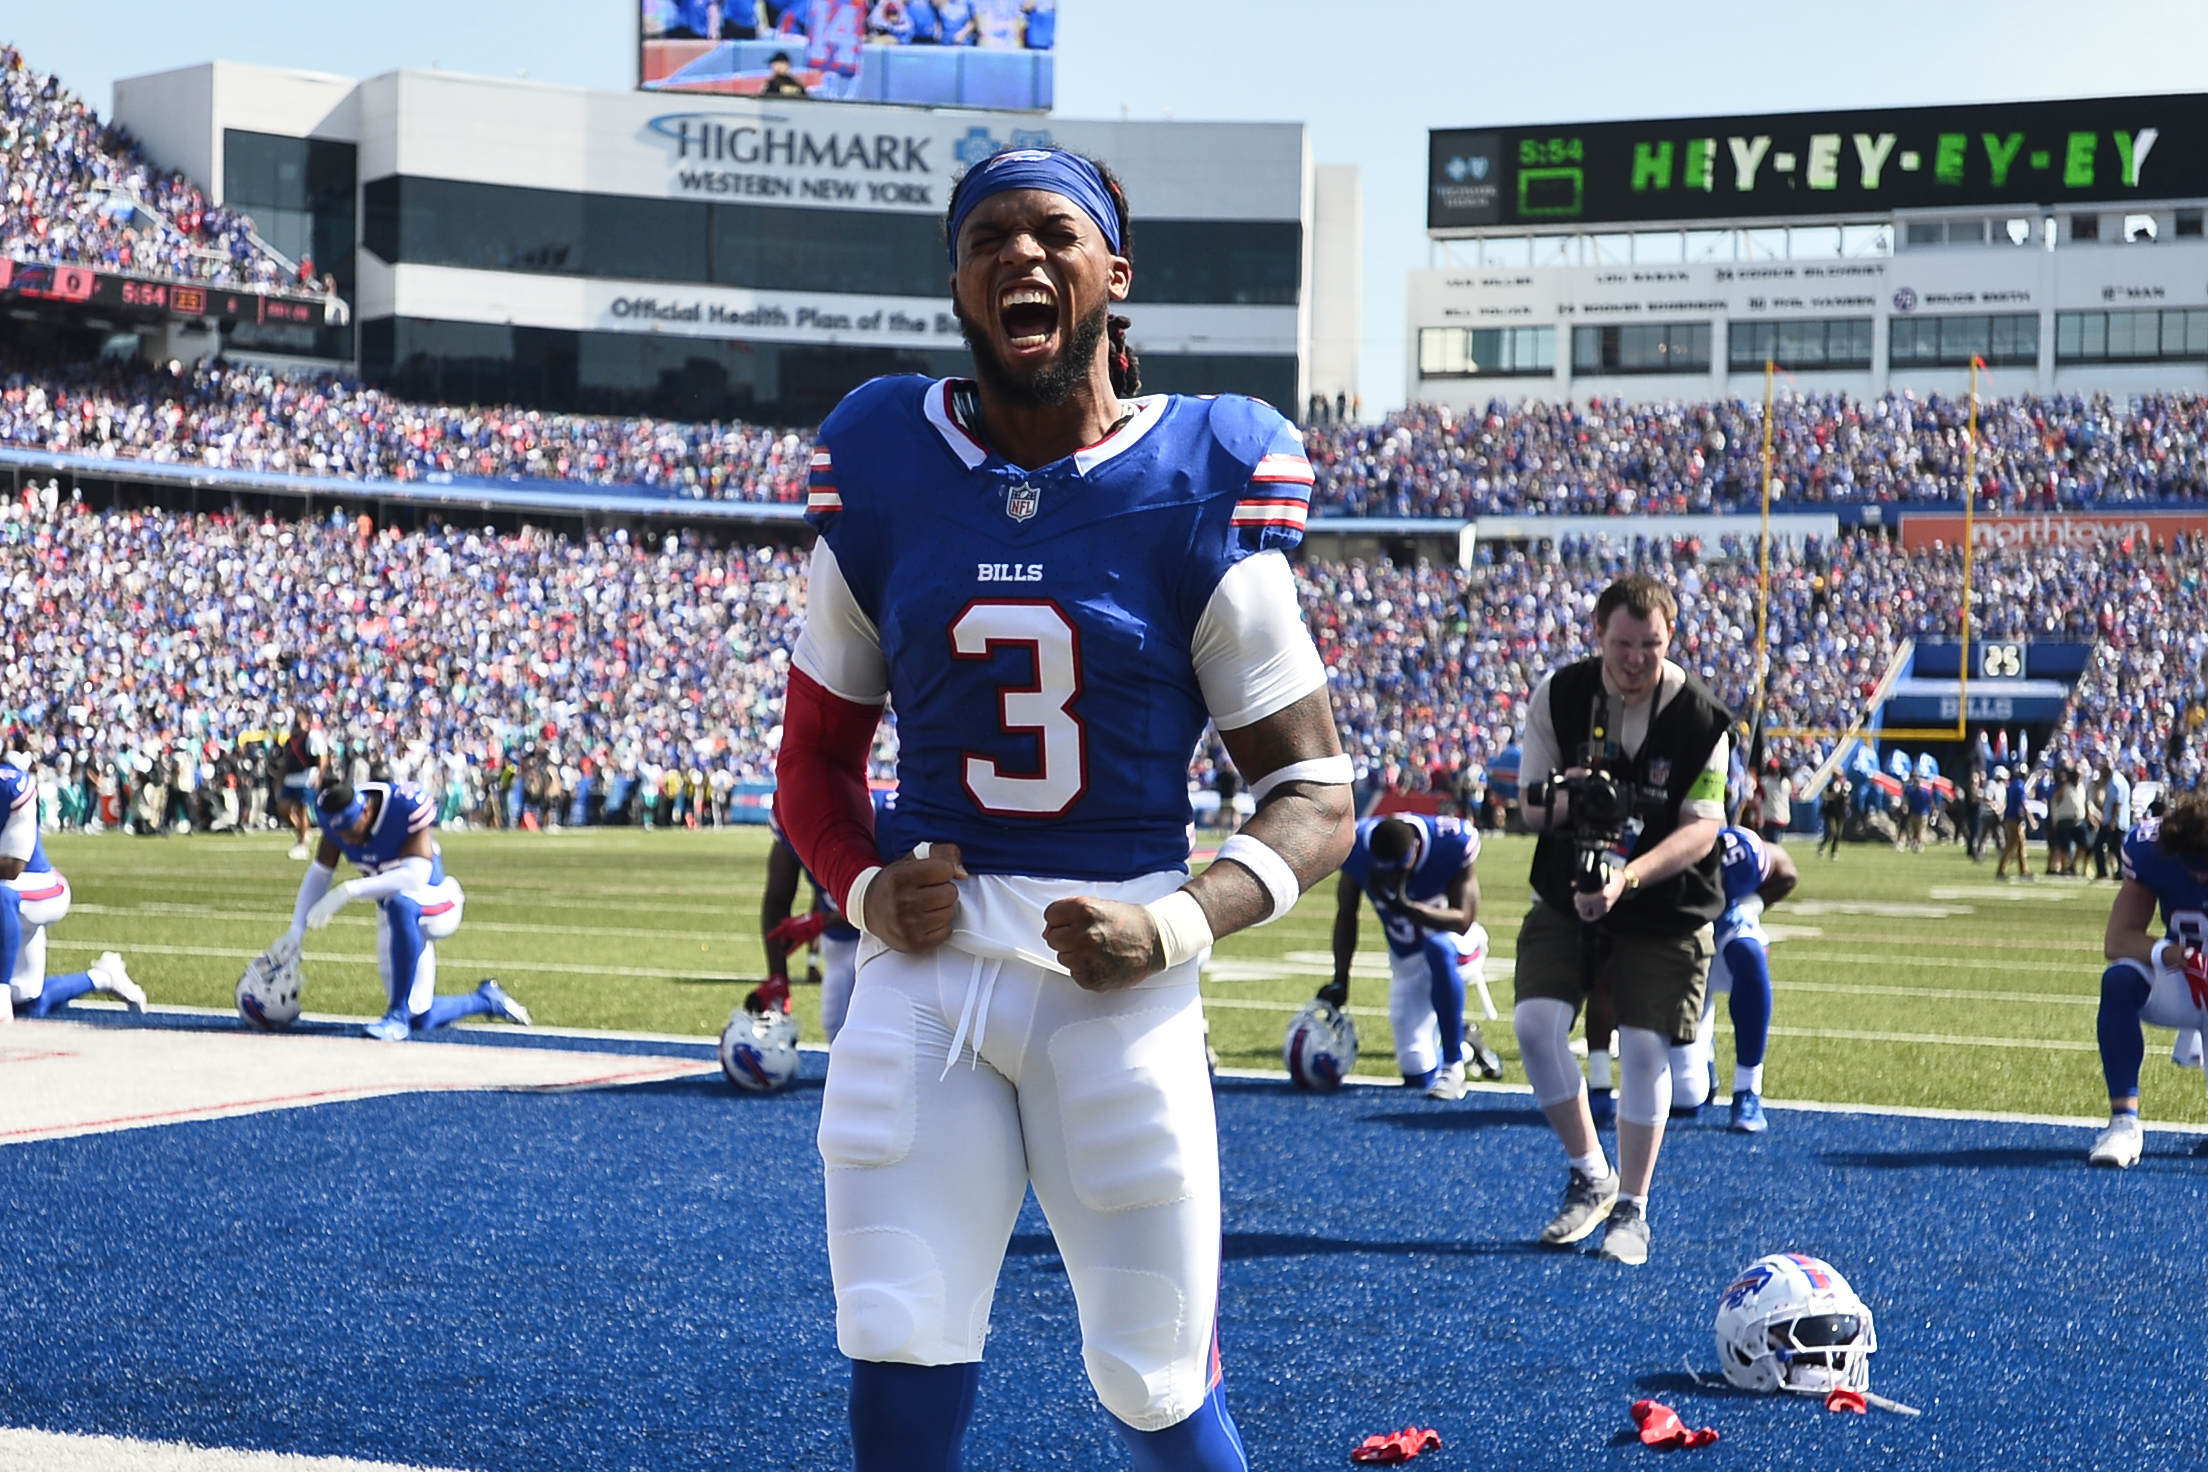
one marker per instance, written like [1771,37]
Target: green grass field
[1901,978]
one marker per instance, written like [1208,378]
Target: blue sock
[403,919]
[444,1011]
[2124,992]
[58,993]
[1751,1004]
[1420,1080]
[911,1418]
[1205,1442]
[1447,979]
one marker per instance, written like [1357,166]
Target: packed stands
[76,191]
[508,668]
[1605,458]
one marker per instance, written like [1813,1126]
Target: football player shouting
[1056,584]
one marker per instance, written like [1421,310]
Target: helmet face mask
[759,1051]
[1320,1048]
[1792,1323]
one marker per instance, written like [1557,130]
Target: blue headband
[1050,169]
[342,822]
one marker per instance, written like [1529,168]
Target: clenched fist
[913,902]
[1106,944]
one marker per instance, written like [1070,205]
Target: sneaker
[1748,1114]
[1603,1105]
[391,1028]
[501,1004]
[1448,1084]
[115,981]
[2119,1144]
[1480,1056]
[1587,1202]
[299,851]
[1626,1239]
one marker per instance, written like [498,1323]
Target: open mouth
[1028,313]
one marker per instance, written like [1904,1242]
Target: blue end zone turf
[634,1278]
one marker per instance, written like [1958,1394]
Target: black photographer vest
[1672,755]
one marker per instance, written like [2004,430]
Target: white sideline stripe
[49,1451]
[333,958]
[596,1034]
[366,919]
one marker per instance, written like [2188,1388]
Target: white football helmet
[1792,1323]
[759,1050]
[268,993]
[1321,1047]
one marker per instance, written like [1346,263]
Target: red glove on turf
[774,992]
[1840,1398]
[799,930]
[1401,1447]
[1661,1427]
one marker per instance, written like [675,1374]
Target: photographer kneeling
[1625,878]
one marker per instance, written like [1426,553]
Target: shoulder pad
[861,412]
[1273,499]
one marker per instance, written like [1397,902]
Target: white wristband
[1271,870]
[1329,771]
[2161,947]
[1184,931]
[854,900]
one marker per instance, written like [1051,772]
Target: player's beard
[1047,386]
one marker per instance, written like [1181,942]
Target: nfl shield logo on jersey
[1659,772]
[1022,502]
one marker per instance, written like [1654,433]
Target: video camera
[1600,820]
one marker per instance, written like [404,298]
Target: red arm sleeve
[821,799]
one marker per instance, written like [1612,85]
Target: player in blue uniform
[1421,875]
[34,895]
[2158,979]
[1756,875]
[387,831]
[1057,584]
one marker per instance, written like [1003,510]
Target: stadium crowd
[76,191]
[1606,458]
[233,417]
[541,679]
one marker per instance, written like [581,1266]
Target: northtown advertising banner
[2086,530]
[2025,154]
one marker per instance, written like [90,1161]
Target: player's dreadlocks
[1126,367]
[2184,831]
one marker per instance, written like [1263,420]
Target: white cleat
[1448,1084]
[115,981]
[299,851]
[2119,1144]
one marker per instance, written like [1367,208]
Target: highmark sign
[774,316]
[767,156]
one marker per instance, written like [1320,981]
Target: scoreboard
[1873,161]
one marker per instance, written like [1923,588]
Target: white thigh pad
[442,904]
[867,1111]
[41,899]
[1131,1089]
[2170,1002]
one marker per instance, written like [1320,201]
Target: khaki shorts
[1655,980]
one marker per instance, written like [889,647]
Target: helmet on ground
[268,993]
[1321,1047]
[1792,1323]
[759,1050]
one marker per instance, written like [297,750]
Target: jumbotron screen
[928,53]
[2101,151]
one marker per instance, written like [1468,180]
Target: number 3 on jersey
[1041,709]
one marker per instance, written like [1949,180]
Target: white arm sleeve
[19,833]
[311,889]
[839,646]
[406,874]
[1253,655]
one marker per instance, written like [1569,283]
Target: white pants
[441,906]
[1411,985]
[838,970]
[1101,1101]
[43,901]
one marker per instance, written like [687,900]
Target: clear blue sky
[1368,78]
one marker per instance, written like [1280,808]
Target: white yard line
[49,1451]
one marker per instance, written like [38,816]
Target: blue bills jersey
[2183,897]
[1745,864]
[402,810]
[19,814]
[1445,849]
[1037,624]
